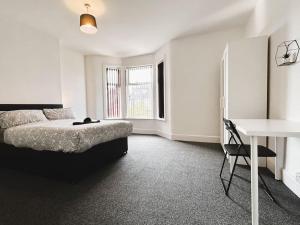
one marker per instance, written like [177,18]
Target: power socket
[298,177]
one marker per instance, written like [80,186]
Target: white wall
[73,81]
[94,87]
[29,65]
[280,20]
[195,81]
[250,105]
[268,16]
[192,85]
[138,60]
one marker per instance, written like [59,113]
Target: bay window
[129,96]
[113,93]
[139,92]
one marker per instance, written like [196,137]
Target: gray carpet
[158,182]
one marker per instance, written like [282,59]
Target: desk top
[268,127]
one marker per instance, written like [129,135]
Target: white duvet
[61,135]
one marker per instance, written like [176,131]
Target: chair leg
[223,165]
[225,156]
[264,183]
[231,176]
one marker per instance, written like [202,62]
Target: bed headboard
[10,107]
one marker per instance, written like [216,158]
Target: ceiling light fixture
[88,22]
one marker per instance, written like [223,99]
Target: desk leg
[254,180]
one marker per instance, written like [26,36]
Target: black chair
[239,149]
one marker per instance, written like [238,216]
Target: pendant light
[88,22]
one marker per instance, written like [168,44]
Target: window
[113,92]
[130,96]
[139,92]
[161,90]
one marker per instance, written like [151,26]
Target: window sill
[138,119]
[128,119]
[162,120]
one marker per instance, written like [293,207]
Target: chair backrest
[230,126]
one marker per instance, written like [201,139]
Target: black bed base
[70,166]
[59,164]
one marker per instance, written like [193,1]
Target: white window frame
[126,92]
[104,78]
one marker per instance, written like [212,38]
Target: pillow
[59,114]
[19,117]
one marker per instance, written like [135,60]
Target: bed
[58,147]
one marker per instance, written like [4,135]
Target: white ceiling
[127,27]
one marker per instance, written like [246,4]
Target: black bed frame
[59,164]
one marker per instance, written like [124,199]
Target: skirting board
[195,138]
[179,137]
[291,182]
[151,132]
[143,131]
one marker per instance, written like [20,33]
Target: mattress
[61,135]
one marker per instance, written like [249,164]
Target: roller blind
[139,92]
[113,93]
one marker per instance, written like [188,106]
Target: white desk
[262,127]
